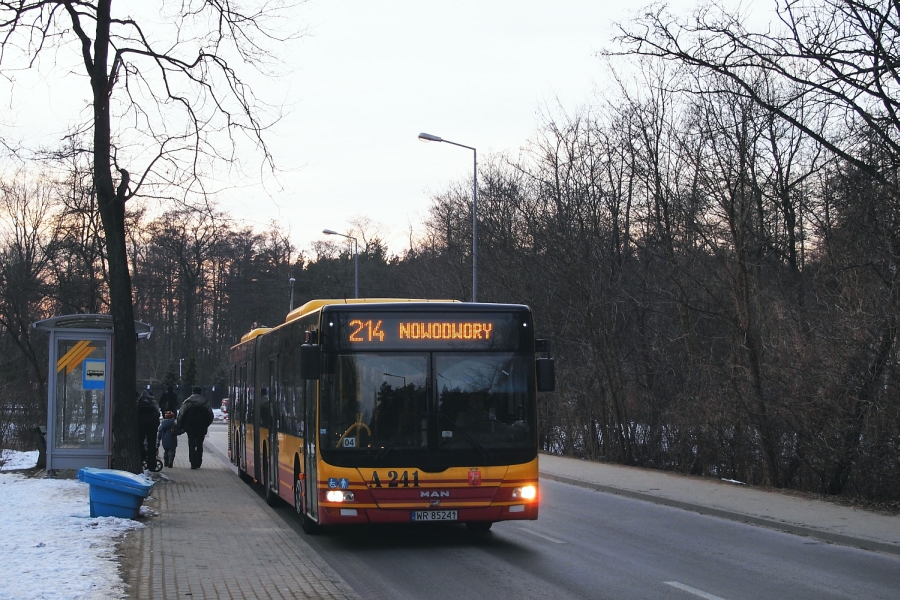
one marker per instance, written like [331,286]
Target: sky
[371,76]
[363,81]
[51,546]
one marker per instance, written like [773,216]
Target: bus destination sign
[391,331]
[371,330]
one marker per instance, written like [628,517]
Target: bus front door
[271,466]
[309,451]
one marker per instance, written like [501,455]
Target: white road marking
[690,590]
[541,535]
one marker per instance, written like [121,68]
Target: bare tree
[176,93]
[26,212]
[837,57]
[828,70]
[79,265]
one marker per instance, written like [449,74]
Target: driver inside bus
[474,412]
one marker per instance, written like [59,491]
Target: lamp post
[292,280]
[355,258]
[427,137]
[397,376]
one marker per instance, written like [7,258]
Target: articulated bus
[392,411]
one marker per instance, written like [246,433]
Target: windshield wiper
[393,441]
[481,449]
[386,450]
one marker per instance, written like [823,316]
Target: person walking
[169,400]
[168,436]
[194,418]
[148,422]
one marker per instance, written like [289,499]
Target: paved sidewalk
[215,537]
[814,518]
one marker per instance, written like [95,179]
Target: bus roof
[254,333]
[314,305]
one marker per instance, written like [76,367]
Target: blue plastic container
[115,493]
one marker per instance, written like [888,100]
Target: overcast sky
[364,80]
[369,76]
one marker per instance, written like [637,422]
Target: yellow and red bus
[392,411]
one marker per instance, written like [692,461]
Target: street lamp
[355,257]
[427,137]
[397,376]
[292,280]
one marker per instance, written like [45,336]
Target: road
[588,544]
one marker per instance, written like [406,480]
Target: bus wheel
[309,526]
[479,526]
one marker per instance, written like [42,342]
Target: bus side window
[288,394]
[310,361]
[264,413]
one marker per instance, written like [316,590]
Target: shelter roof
[88,321]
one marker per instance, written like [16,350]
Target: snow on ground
[13,461]
[51,547]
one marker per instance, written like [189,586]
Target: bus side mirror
[546,375]
[310,361]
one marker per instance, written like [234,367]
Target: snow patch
[51,546]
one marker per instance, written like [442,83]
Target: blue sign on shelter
[94,374]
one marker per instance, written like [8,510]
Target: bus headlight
[339,496]
[526,492]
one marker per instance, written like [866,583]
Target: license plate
[434,515]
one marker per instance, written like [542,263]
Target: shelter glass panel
[82,375]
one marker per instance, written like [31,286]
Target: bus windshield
[482,400]
[378,408]
[376,400]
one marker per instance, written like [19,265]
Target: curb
[834,538]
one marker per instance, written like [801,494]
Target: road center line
[541,535]
[690,590]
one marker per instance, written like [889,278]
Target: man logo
[435,494]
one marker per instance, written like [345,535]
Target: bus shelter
[79,390]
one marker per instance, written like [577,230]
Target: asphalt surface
[214,536]
[590,544]
[817,519]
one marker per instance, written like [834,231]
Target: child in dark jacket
[168,435]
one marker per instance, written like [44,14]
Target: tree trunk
[111,202]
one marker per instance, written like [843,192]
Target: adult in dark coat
[168,401]
[194,418]
[148,422]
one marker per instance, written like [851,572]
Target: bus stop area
[214,536]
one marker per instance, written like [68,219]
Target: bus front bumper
[349,514]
